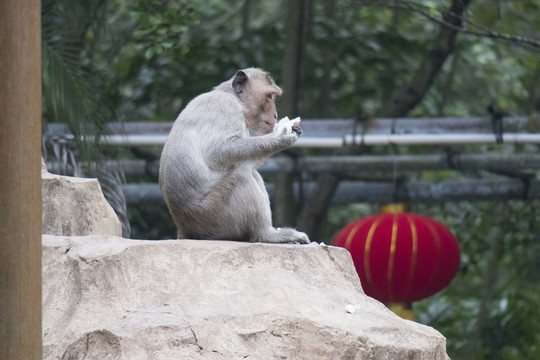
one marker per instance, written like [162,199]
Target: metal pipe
[366,140]
[340,127]
[439,139]
[358,163]
[386,192]
[159,140]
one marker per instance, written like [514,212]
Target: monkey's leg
[234,208]
[265,232]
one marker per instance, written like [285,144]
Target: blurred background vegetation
[142,60]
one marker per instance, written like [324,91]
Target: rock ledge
[75,206]
[105,297]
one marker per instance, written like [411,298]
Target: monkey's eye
[271,96]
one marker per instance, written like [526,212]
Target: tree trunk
[448,84]
[284,207]
[20,180]
[294,56]
[246,14]
[315,209]
[329,63]
[486,296]
[533,89]
[291,80]
[410,95]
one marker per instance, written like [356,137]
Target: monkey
[208,169]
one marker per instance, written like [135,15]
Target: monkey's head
[258,92]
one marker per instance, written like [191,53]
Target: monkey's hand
[287,127]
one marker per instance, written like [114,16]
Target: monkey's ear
[239,82]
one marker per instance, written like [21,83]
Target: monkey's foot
[282,236]
[301,238]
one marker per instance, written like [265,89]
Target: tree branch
[484,31]
[428,14]
[410,95]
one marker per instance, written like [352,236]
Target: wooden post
[20,179]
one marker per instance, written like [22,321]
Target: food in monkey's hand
[286,126]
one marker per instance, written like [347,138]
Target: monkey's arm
[239,149]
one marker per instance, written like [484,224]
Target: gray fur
[208,173]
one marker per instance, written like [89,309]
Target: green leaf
[434,12]
[149,53]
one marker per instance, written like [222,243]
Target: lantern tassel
[403,310]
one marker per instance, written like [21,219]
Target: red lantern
[401,257]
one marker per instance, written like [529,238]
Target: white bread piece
[285,125]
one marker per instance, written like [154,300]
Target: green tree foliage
[156,55]
[489,311]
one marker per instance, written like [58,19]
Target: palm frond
[111,181]
[72,95]
[69,92]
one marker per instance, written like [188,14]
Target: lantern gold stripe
[392,255]
[367,249]
[351,234]
[414,254]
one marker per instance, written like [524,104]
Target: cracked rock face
[106,297]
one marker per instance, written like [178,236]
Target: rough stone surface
[106,297]
[75,206]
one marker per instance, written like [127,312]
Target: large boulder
[106,297]
[75,206]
